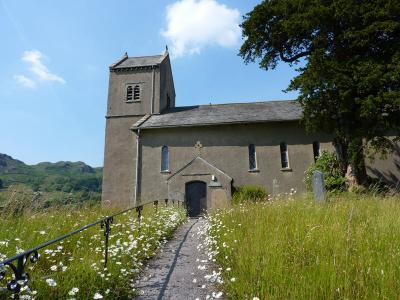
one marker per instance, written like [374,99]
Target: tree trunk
[351,161]
[356,173]
[341,146]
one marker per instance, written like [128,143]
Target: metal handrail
[21,278]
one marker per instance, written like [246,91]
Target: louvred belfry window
[129,93]
[136,92]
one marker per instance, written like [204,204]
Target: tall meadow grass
[348,248]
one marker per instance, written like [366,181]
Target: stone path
[178,271]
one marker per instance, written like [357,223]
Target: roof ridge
[146,56]
[221,104]
[252,102]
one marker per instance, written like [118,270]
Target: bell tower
[138,86]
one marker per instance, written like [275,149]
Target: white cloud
[25,81]
[195,24]
[34,59]
[38,69]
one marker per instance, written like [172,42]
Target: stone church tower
[138,87]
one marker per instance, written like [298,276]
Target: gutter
[214,124]
[137,166]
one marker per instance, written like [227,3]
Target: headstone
[275,188]
[318,186]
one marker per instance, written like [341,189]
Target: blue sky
[55,56]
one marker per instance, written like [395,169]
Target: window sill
[132,101]
[165,172]
[286,170]
[254,171]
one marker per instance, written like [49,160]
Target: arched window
[136,92]
[164,159]
[316,150]
[284,156]
[252,157]
[129,93]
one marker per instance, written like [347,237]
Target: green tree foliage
[249,193]
[328,164]
[349,74]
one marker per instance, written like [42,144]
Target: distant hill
[60,176]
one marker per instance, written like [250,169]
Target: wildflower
[217,295]
[51,282]
[233,279]
[42,232]
[19,250]
[97,296]
[73,291]
[256,298]
[53,268]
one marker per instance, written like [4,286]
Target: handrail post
[20,277]
[156,205]
[139,212]
[106,225]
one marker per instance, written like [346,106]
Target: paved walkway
[178,271]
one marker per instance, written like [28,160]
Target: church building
[155,150]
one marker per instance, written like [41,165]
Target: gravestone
[318,186]
[275,188]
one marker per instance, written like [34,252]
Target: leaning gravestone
[318,185]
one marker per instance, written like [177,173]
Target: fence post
[166,202]
[106,225]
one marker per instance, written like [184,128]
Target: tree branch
[293,58]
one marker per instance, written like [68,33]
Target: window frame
[284,151]
[252,155]
[316,146]
[164,168]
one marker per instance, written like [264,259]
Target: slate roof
[203,115]
[142,61]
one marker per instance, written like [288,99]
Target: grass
[77,262]
[348,248]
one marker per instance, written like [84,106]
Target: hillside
[60,176]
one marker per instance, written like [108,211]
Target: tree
[348,53]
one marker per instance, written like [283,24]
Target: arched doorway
[196,197]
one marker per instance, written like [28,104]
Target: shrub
[248,193]
[328,164]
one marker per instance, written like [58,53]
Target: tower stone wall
[122,155]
